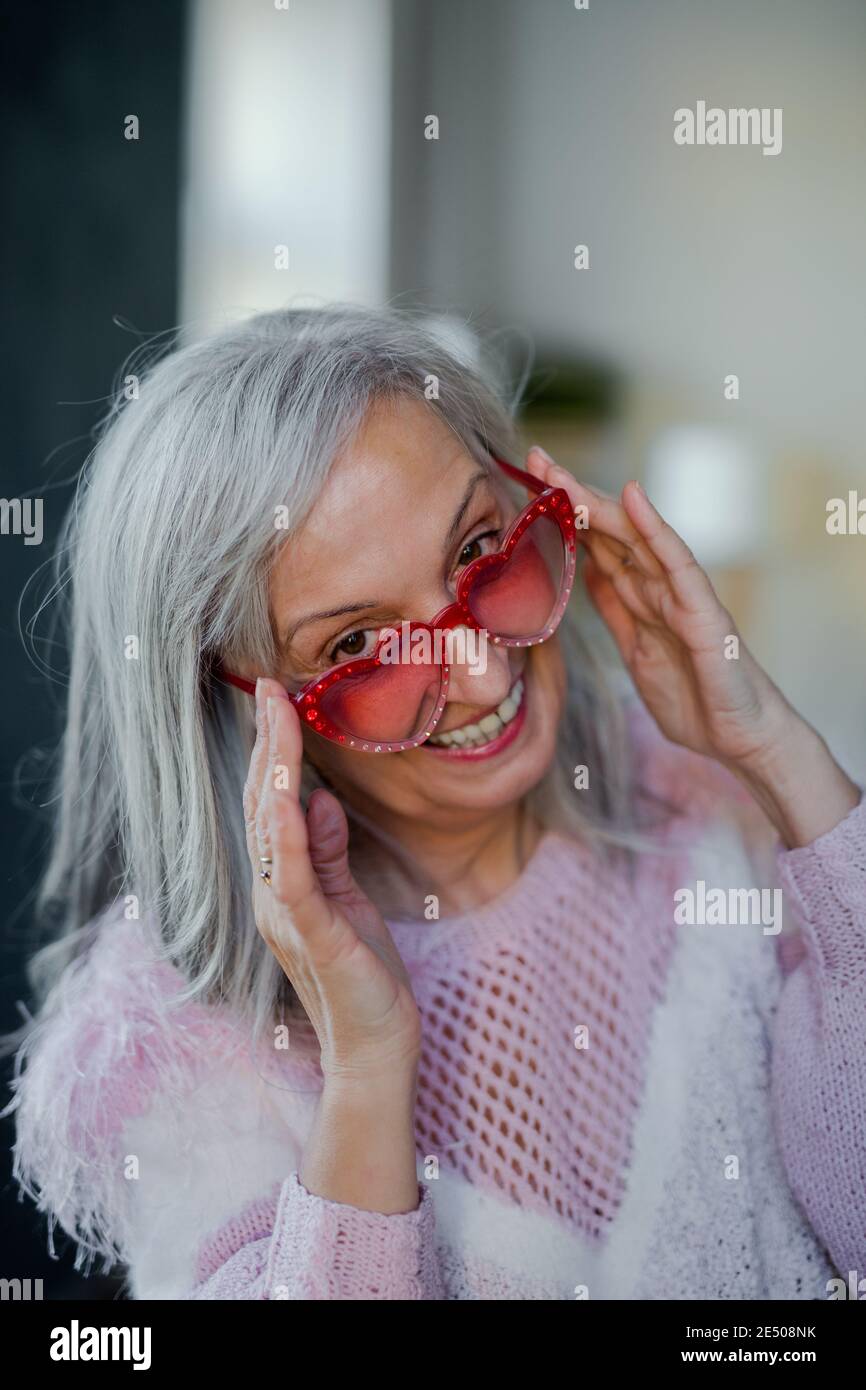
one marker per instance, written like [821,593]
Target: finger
[611,609]
[539,463]
[607,516]
[604,513]
[255,780]
[328,832]
[541,466]
[310,916]
[615,563]
[689,582]
[264,771]
[293,879]
[548,471]
[281,823]
[597,540]
[287,767]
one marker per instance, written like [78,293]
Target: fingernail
[544,454]
[272,711]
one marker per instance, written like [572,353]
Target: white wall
[704,261]
[287,143]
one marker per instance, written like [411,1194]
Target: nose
[480,672]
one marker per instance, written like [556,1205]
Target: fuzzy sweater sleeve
[819,1045]
[218,1210]
[152,1135]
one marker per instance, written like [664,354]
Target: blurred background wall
[286,157]
[308,130]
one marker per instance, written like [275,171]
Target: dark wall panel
[89,235]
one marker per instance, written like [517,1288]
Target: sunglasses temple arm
[521,476]
[248,686]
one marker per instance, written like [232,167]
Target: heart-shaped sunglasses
[393,699]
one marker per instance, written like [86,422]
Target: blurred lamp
[712,488]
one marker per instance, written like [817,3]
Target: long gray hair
[164,563]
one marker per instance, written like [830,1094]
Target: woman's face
[404,509]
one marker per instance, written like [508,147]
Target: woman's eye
[474,549]
[351,645]
[355,643]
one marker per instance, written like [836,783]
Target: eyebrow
[480,475]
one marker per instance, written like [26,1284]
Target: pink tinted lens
[520,599]
[390,703]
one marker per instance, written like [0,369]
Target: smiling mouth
[489,728]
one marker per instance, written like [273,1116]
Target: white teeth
[471,735]
[490,724]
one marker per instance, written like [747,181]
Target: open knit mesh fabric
[505,1097]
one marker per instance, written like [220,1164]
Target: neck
[465,866]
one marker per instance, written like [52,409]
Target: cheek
[332,762]
[548,668]
[364,778]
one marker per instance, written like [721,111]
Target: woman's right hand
[327,935]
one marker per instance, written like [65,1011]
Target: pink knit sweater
[610,1104]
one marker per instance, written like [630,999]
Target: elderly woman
[386,974]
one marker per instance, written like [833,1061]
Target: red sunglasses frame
[549,500]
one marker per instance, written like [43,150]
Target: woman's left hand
[684,653]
